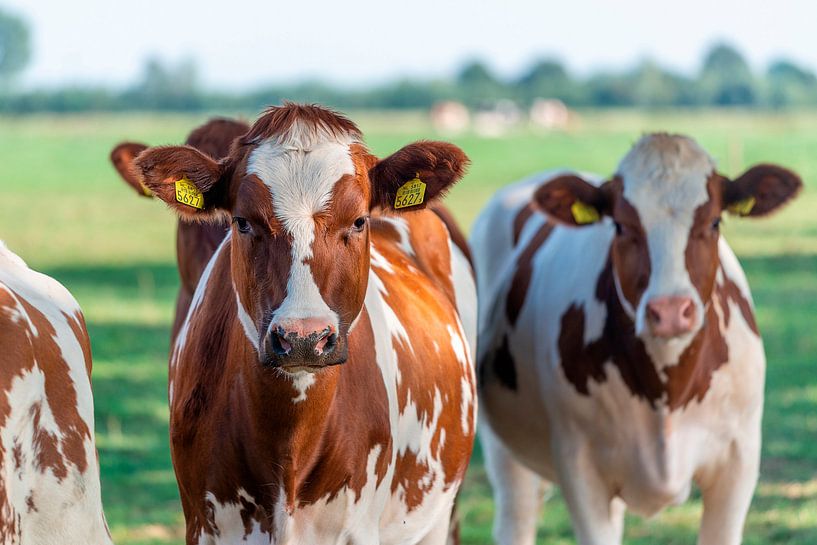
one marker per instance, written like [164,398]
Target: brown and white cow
[619,354]
[195,241]
[321,386]
[49,475]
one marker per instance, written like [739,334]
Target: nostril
[326,341]
[280,346]
[688,310]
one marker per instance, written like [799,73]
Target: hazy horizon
[242,44]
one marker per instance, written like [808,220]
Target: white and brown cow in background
[49,475]
[619,355]
[321,386]
[195,241]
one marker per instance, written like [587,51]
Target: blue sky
[242,43]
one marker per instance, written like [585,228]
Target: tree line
[725,79]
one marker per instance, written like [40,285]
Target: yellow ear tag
[187,193]
[584,213]
[743,207]
[410,193]
[146,191]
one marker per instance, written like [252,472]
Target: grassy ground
[64,210]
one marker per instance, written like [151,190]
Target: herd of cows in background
[325,364]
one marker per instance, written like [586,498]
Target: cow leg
[726,498]
[518,492]
[598,518]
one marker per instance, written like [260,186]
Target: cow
[195,241]
[619,356]
[49,474]
[321,385]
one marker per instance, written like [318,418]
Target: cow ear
[571,200]
[760,190]
[190,182]
[415,175]
[122,157]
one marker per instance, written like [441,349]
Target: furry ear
[416,174]
[571,200]
[760,190]
[122,157]
[187,180]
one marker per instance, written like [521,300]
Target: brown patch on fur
[278,120]
[687,381]
[521,219]
[454,231]
[524,273]
[729,291]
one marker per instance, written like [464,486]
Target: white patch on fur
[301,381]
[665,180]
[247,322]
[402,228]
[301,169]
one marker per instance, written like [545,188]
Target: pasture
[66,212]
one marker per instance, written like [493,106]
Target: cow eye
[716,224]
[242,224]
[360,223]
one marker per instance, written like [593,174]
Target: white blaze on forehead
[665,180]
[301,169]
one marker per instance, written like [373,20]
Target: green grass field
[65,211]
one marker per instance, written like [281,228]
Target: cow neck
[676,383]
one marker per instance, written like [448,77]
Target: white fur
[665,179]
[301,169]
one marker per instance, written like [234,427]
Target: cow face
[299,187]
[665,203]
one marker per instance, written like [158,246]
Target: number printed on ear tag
[584,213]
[187,193]
[410,193]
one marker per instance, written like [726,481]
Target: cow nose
[304,338]
[670,316]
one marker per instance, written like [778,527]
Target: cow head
[299,187]
[665,203]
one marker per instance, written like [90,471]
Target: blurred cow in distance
[619,354]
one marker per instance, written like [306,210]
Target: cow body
[49,476]
[576,391]
[297,416]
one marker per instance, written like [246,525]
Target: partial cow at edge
[619,354]
[321,384]
[49,475]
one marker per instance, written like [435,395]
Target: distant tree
[790,85]
[653,86]
[547,78]
[605,90]
[726,79]
[477,84]
[164,87]
[15,46]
